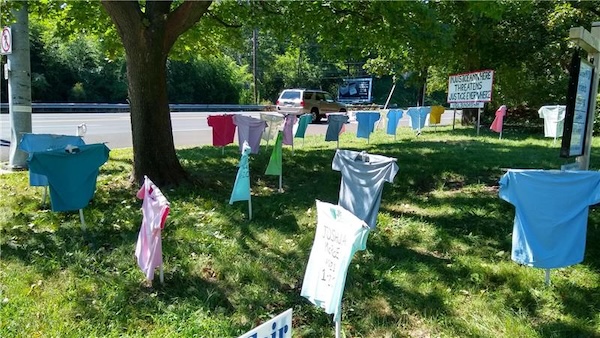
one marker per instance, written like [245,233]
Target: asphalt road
[189,129]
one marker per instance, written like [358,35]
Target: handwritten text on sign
[471,87]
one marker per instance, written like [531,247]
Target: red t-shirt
[223,129]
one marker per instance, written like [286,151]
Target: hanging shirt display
[274,122]
[366,123]
[241,187]
[554,120]
[303,123]
[41,142]
[250,130]
[275,161]
[363,176]
[155,209]
[435,115]
[418,116]
[335,122]
[499,119]
[551,212]
[223,129]
[288,127]
[71,175]
[393,117]
[338,236]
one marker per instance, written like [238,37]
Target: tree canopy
[301,43]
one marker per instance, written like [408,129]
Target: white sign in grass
[471,87]
[279,326]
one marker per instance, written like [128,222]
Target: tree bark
[147,38]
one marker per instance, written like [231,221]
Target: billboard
[357,90]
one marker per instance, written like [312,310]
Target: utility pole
[19,87]
[254,57]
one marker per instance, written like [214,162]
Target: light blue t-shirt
[362,182]
[551,212]
[335,122]
[366,123]
[338,236]
[71,176]
[241,187]
[393,117]
[418,116]
[41,142]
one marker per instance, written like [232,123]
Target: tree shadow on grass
[482,224]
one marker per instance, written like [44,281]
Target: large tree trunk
[152,134]
[148,36]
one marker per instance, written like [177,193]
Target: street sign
[6,41]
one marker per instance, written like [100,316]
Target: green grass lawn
[438,264]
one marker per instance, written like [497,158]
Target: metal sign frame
[579,96]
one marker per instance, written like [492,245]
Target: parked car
[318,103]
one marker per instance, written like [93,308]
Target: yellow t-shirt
[435,116]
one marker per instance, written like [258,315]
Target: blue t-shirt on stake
[363,176]
[418,116]
[41,142]
[393,117]
[335,122]
[366,123]
[551,212]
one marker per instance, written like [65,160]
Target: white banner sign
[277,327]
[460,105]
[471,87]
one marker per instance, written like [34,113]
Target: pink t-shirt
[498,121]
[155,209]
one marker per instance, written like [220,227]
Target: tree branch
[183,18]
[221,21]
[123,14]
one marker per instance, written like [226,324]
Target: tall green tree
[148,31]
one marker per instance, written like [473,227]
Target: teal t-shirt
[303,123]
[241,187]
[71,176]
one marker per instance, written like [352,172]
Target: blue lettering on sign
[275,334]
[279,326]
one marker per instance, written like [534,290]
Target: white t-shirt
[339,235]
[554,120]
